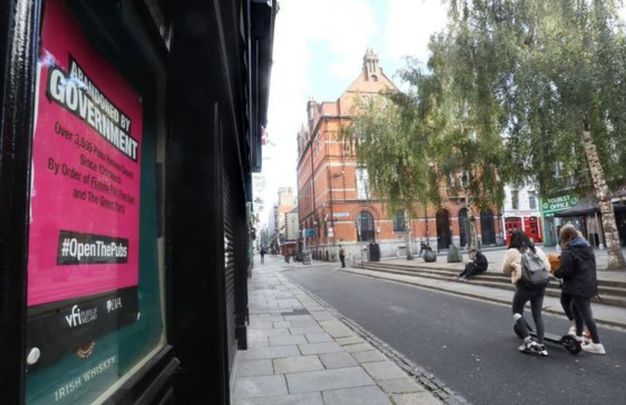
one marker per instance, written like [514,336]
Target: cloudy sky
[318,51]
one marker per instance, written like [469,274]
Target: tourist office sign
[556,204]
[83,252]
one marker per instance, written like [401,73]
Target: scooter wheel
[570,344]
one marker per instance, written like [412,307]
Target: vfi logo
[77,317]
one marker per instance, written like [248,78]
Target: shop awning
[587,209]
[577,211]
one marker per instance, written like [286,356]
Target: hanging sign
[84,211]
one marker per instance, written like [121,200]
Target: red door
[511,224]
[532,226]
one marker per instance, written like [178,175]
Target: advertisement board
[83,256]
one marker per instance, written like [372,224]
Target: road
[469,344]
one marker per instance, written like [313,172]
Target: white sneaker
[526,344]
[572,331]
[540,350]
[594,348]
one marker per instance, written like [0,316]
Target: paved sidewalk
[300,353]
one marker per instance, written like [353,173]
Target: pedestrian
[578,271]
[520,246]
[342,256]
[423,247]
[262,252]
[477,264]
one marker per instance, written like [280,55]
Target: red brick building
[334,201]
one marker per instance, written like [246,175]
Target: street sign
[341,214]
[331,232]
[555,204]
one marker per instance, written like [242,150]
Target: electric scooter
[568,341]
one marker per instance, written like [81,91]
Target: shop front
[552,210]
[116,285]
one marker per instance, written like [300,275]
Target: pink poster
[84,213]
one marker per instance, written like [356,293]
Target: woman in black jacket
[578,271]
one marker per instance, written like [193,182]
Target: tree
[561,81]
[388,144]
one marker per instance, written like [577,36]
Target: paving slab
[287,340]
[252,387]
[322,315]
[328,380]
[352,396]
[258,353]
[349,340]
[404,385]
[419,398]
[337,360]
[299,318]
[383,370]
[253,332]
[250,368]
[306,329]
[318,337]
[368,356]
[359,347]
[296,399]
[319,348]
[297,364]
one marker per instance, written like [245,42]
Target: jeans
[343,261]
[471,269]
[522,295]
[579,309]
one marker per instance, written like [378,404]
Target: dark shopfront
[588,220]
[128,134]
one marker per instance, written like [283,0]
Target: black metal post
[19,28]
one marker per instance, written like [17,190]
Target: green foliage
[562,69]
[389,145]
[508,90]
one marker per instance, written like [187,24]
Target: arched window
[487,228]
[365,227]
[463,227]
[399,221]
[444,235]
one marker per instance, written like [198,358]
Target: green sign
[555,204]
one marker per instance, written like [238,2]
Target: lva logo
[77,317]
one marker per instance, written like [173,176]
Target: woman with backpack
[578,271]
[522,252]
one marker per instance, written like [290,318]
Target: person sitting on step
[477,264]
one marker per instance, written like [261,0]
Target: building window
[532,200]
[514,199]
[362,184]
[365,227]
[399,223]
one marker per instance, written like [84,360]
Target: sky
[318,51]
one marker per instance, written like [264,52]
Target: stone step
[489,276]
[608,295]
[619,285]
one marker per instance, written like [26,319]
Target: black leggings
[522,295]
[579,309]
